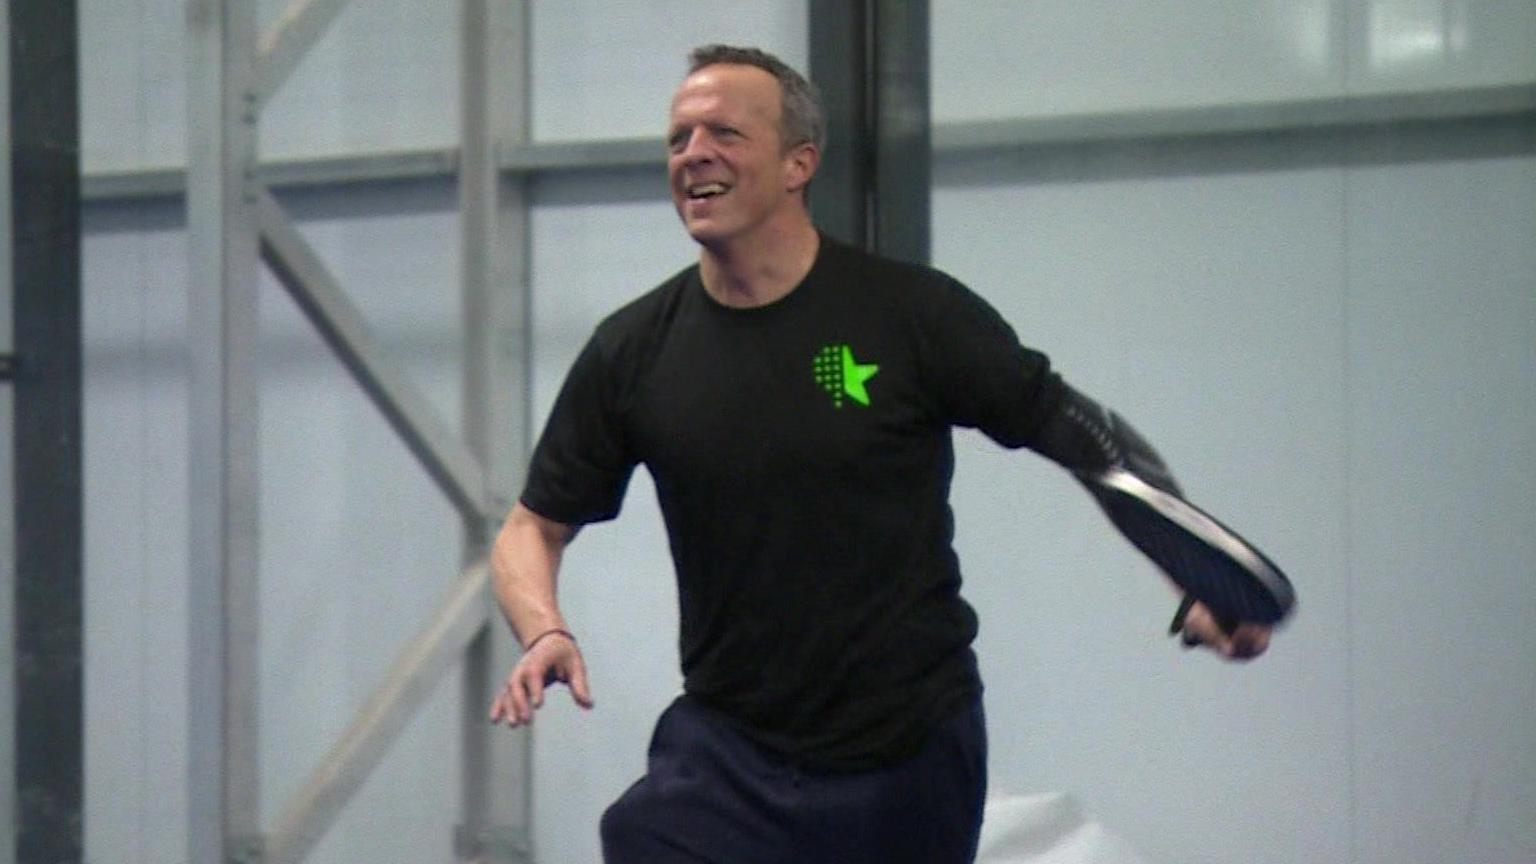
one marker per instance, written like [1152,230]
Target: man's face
[728,168]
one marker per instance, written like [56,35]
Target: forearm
[525,562]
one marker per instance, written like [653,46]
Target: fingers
[1243,642]
[1196,626]
[523,693]
[1248,641]
[520,696]
[534,685]
[511,704]
[580,690]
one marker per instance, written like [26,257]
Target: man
[793,400]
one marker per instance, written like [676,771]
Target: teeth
[706,190]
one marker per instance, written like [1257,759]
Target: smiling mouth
[702,191]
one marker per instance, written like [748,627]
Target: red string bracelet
[555,632]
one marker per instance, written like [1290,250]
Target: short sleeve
[582,463]
[976,370]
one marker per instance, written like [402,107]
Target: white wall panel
[1432,44]
[384,77]
[616,584]
[605,69]
[1064,57]
[1442,291]
[133,84]
[135,481]
[1060,58]
[1360,342]
[1206,310]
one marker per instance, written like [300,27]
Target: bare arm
[524,563]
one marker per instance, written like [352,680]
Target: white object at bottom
[1047,829]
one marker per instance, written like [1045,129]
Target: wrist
[553,631]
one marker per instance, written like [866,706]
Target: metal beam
[870,59]
[44,164]
[300,27]
[7,468]
[222,327]
[1292,116]
[597,155]
[1305,117]
[439,163]
[317,293]
[496,764]
[291,174]
[416,672]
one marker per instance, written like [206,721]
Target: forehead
[728,89]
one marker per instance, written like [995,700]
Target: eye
[677,140]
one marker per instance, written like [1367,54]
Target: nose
[696,147]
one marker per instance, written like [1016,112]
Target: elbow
[524,529]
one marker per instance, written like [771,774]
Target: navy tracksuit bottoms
[711,796]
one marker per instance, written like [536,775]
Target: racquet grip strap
[1185,605]
[1089,439]
[1176,627]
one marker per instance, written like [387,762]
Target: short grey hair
[803,120]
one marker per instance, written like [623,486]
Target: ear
[800,165]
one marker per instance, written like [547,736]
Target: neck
[761,270]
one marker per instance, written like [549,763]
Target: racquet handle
[1176,628]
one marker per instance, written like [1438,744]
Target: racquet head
[1211,562]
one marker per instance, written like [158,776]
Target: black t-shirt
[801,453]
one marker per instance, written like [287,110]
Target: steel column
[903,148]
[494,247]
[236,210]
[870,59]
[459,473]
[840,194]
[7,472]
[222,323]
[45,265]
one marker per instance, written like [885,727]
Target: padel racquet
[1210,561]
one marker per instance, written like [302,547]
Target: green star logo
[842,376]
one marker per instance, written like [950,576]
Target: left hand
[554,660]
[1246,641]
